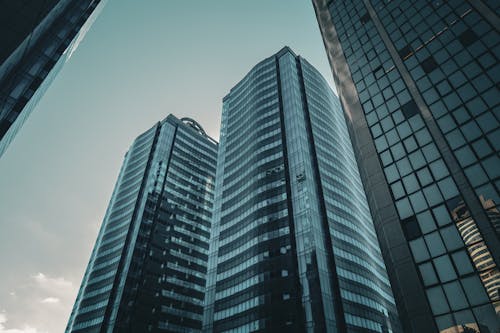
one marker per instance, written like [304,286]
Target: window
[434,244]
[455,295]
[474,290]
[405,52]
[437,300]
[409,109]
[428,274]
[365,18]
[467,37]
[426,222]
[441,214]
[419,250]
[429,64]
[462,262]
[411,228]
[444,268]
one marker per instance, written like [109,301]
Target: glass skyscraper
[36,38]
[293,246]
[147,271]
[419,84]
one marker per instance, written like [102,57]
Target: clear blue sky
[140,61]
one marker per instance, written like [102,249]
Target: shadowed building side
[418,84]
[37,38]
[147,271]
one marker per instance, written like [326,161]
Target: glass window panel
[417,160]
[486,316]
[398,151]
[461,116]
[391,173]
[482,148]
[455,295]
[462,262]
[455,139]
[439,169]
[411,228]
[448,188]
[487,122]
[404,129]
[466,319]
[451,238]
[418,202]
[410,144]
[437,300]
[488,192]
[411,184]
[444,269]
[430,152]
[474,290]
[441,215]
[433,195]
[445,322]
[465,156]
[419,250]
[426,222]
[424,176]
[423,137]
[476,175]
[434,244]
[492,166]
[404,166]
[386,158]
[398,190]
[428,274]
[471,131]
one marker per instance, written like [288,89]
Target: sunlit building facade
[418,82]
[36,37]
[293,246]
[147,271]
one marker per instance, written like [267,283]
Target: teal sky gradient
[140,61]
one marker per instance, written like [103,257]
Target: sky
[140,61]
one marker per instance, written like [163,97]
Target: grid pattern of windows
[433,40]
[361,272]
[453,57]
[292,248]
[253,279]
[35,38]
[148,268]
[95,291]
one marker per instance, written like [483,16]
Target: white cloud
[50,300]
[39,303]
[25,328]
[52,283]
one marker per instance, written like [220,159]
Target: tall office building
[36,38]
[293,247]
[418,81]
[148,267]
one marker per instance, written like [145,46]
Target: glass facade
[293,246]
[37,38]
[148,268]
[419,86]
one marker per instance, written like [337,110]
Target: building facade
[418,82]
[148,267]
[293,246]
[37,38]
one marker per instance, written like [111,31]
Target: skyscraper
[293,247]
[147,270]
[36,38]
[418,81]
